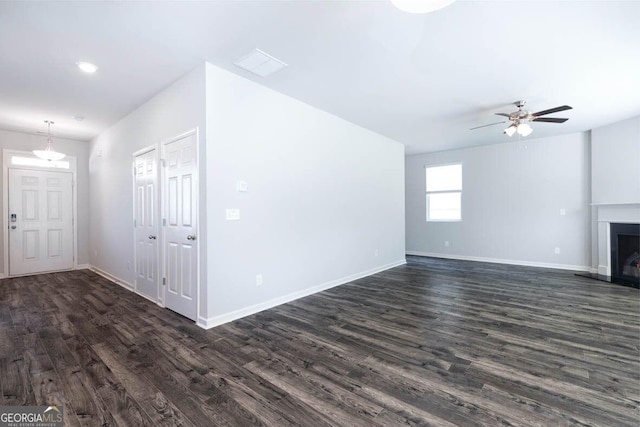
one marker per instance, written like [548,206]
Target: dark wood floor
[431,343]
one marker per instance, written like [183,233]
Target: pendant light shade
[49,153]
[524,129]
[510,130]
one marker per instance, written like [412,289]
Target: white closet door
[40,221]
[180,192]
[146,224]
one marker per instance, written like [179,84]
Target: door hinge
[135,223]
[163,163]
[164,281]
[133,169]
[164,222]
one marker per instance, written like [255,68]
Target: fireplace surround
[625,252]
[607,215]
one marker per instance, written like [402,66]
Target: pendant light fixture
[49,153]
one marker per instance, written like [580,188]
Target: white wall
[178,108]
[324,195]
[511,201]
[79,150]
[615,154]
[615,183]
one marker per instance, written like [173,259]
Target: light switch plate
[242,186]
[233,214]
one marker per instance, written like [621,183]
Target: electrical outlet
[375,253]
[258,279]
[128,265]
[95,253]
[556,251]
[563,212]
[446,243]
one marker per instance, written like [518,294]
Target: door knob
[13,227]
[191,237]
[152,237]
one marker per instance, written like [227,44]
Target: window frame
[428,193]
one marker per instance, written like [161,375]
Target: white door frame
[159,297]
[7,156]
[195,131]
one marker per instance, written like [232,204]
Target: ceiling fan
[520,119]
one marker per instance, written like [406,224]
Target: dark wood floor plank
[170,384]
[16,385]
[185,367]
[298,385]
[161,410]
[115,397]
[75,382]
[5,315]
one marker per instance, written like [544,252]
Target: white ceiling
[422,80]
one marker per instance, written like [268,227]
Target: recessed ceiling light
[78,118]
[260,63]
[420,6]
[87,67]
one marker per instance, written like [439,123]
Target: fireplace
[625,253]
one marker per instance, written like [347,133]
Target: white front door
[40,221]
[146,224]
[179,195]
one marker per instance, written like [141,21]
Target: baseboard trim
[503,261]
[112,278]
[77,267]
[202,322]
[128,286]
[208,323]
[5,276]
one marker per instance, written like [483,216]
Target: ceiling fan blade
[502,114]
[491,124]
[549,120]
[552,110]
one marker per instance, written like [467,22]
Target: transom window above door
[41,163]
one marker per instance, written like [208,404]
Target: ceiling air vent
[260,63]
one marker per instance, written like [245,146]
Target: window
[33,161]
[444,192]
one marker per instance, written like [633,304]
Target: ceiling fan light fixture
[519,120]
[524,129]
[49,153]
[420,6]
[510,130]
